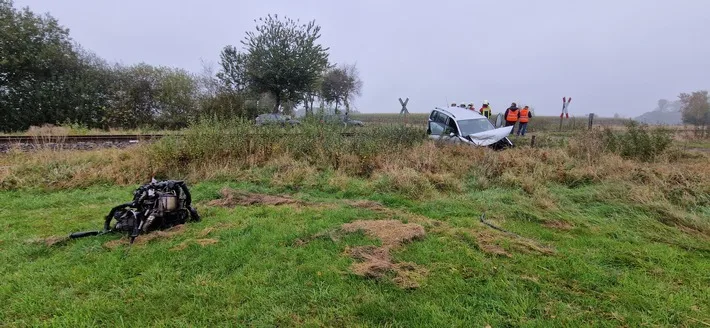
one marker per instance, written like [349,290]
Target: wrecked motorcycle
[155,206]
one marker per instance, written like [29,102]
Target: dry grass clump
[497,243]
[147,238]
[232,198]
[392,233]
[376,262]
[405,181]
[288,172]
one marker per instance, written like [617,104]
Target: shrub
[637,142]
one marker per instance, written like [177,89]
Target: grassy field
[381,230]
[609,263]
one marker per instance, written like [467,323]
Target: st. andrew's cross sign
[404,106]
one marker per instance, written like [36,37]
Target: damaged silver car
[456,124]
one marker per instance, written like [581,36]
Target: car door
[451,131]
[437,124]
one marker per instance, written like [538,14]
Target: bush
[637,142]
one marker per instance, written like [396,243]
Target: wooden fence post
[532,142]
[591,120]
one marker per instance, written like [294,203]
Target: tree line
[48,78]
[694,108]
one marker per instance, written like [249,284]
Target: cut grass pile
[589,260]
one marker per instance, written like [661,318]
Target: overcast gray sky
[609,55]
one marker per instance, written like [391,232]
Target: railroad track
[78,138]
[108,138]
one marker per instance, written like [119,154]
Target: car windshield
[475,126]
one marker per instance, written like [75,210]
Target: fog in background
[610,56]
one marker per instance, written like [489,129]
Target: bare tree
[355,85]
[341,85]
[208,84]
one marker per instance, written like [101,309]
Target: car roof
[460,113]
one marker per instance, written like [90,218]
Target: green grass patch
[615,264]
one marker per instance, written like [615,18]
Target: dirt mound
[144,239]
[232,198]
[376,262]
[392,233]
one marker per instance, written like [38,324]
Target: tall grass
[242,144]
[388,159]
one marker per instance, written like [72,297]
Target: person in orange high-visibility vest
[524,117]
[511,116]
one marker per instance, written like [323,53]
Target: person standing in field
[524,117]
[485,110]
[472,107]
[511,116]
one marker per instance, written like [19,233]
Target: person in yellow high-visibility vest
[486,110]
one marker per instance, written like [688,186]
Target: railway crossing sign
[404,106]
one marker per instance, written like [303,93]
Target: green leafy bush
[637,142]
